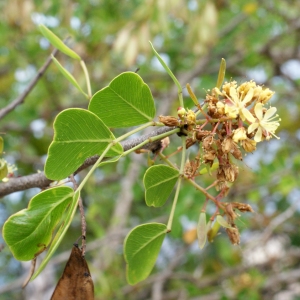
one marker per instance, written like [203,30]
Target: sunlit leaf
[68,75]
[78,134]
[126,101]
[65,224]
[57,42]
[141,249]
[29,231]
[159,182]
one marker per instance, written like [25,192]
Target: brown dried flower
[228,145]
[249,145]
[231,172]
[242,207]
[233,234]
[230,213]
[207,142]
[189,143]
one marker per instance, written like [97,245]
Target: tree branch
[4,111]
[39,180]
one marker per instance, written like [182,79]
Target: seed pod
[201,230]
[213,231]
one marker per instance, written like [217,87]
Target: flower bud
[242,207]
[181,112]
[190,117]
[169,121]
[237,154]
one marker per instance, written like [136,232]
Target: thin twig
[4,111]
[31,271]
[83,221]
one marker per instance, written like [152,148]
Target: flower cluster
[236,118]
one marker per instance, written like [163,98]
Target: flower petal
[252,127]
[258,135]
[249,96]
[233,95]
[269,113]
[258,111]
[247,114]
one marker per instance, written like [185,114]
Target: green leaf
[201,230]
[59,234]
[208,169]
[223,222]
[127,101]
[221,74]
[68,75]
[1,144]
[3,169]
[78,134]
[166,68]
[29,231]
[141,248]
[57,42]
[159,182]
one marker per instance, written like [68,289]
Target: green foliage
[57,42]
[3,169]
[141,248]
[29,231]
[159,182]
[78,134]
[68,75]
[1,144]
[61,232]
[126,101]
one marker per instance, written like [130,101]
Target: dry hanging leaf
[76,282]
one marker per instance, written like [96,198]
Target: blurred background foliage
[259,40]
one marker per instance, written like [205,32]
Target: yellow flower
[264,124]
[238,104]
